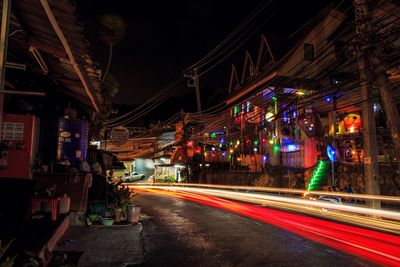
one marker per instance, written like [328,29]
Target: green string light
[318,175]
[276,149]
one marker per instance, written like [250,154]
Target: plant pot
[107,221]
[133,213]
[118,214]
[93,217]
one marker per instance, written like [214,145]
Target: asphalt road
[177,232]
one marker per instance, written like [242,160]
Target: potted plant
[119,198]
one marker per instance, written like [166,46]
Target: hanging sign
[119,135]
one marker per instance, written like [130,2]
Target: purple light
[328,99]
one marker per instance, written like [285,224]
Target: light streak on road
[278,190]
[301,203]
[375,246]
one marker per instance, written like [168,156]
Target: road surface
[177,232]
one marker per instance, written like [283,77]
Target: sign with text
[119,135]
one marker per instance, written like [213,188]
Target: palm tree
[112,31]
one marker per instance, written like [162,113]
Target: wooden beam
[252,87]
[13,92]
[47,48]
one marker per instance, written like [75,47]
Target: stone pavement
[104,246]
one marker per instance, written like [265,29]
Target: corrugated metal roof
[31,27]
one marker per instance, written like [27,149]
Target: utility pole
[371,167]
[184,145]
[5,21]
[380,67]
[194,82]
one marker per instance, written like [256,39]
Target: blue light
[331,152]
[291,148]
[223,154]
[328,99]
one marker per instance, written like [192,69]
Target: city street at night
[199,133]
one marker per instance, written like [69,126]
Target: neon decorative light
[331,152]
[318,175]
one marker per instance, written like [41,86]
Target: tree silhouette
[112,31]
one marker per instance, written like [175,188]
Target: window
[309,52]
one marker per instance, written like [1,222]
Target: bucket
[133,213]
[65,204]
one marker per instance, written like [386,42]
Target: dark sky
[165,37]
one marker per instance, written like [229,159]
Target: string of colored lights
[317,176]
[374,246]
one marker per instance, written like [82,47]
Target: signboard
[119,135]
[12,131]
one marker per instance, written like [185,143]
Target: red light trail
[375,246]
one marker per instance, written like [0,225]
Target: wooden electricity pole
[371,168]
[194,82]
[5,21]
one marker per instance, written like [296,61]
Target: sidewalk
[104,246]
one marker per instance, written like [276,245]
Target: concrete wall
[389,178]
[299,178]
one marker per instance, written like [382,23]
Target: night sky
[165,37]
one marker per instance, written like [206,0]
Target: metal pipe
[67,48]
